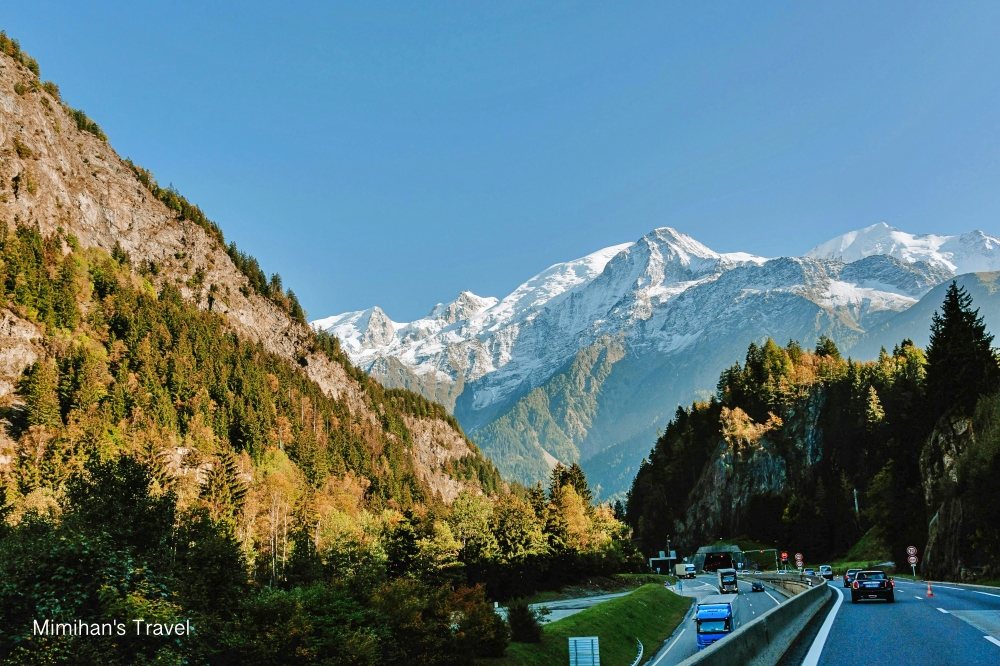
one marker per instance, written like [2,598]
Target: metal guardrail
[638,657]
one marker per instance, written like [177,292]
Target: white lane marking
[951,588]
[669,648]
[943,611]
[986,594]
[772,598]
[812,657]
[916,597]
[992,640]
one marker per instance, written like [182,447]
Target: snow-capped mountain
[586,359]
[974,252]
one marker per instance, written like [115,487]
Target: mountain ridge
[667,295]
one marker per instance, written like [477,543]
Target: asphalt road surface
[958,625]
[684,642]
[566,607]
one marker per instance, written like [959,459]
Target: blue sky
[395,154]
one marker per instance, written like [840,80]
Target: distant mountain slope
[915,322]
[680,312]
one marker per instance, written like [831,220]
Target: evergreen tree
[826,347]
[961,364]
[40,397]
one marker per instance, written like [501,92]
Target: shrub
[20,88]
[85,124]
[525,622]
[22,150]
[51,89]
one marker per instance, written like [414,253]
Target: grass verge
[650,614]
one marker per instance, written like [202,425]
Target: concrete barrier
[764,640]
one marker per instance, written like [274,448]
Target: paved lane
[684,642]
[949,628]
[566,607]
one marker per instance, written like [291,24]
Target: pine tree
[961,364]
[40,397]
[826,347]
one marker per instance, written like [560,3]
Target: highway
[958,625]
[683,643]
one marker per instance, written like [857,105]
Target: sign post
[911,552]
[798,562]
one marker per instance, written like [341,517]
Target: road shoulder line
[812,657]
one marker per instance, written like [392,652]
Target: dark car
[757,586]
[872,585]
[849,576]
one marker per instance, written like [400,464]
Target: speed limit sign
[911,550]
[798,557]
[912,559]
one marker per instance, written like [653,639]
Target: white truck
[684,570]
[727,581]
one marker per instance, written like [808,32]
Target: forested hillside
[176,445]
[791,435]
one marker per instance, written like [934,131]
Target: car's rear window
[871,575]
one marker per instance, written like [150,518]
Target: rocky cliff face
[942,477]
[753,460]
[57,176]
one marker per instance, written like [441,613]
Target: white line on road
[812,657]
[669,648]
[916,597]
[943,611]
[772,598]
[992,640]
[986,594]
[951,588]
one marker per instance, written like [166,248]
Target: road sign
[798,557]
[911,550]
[912,559]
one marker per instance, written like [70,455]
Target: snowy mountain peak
[466,306]
[968,253]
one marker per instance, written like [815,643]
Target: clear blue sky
[397,153]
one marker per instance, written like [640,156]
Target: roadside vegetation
[651,614]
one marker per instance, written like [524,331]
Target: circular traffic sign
[911,550]
[912,559]
[798,557]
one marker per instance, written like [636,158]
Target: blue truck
[715,618]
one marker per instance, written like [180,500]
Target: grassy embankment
[650,614]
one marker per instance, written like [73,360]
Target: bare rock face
[749,463]
[19,341]
[55,175]
[941,474]
[435,443]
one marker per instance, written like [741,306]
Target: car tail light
[855,585]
